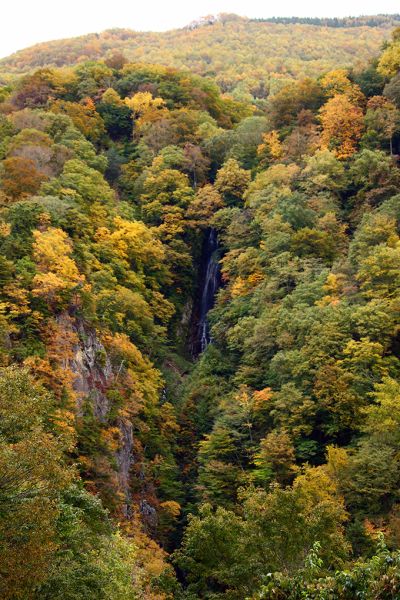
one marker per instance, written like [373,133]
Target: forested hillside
[368,20]
[248,58]
[200,339]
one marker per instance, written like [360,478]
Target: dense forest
[199,335]
[245,57]
[369,21]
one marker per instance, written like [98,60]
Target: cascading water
[210,283]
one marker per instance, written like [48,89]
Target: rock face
[149,514]
[125,459]
[93,375]
[93,371]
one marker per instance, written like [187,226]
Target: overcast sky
[26,22]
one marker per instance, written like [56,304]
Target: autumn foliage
[132,465]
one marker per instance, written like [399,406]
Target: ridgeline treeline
[363,21]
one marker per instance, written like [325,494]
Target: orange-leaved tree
[342,125]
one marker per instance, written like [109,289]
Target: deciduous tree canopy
[144,216]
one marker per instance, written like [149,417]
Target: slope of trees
[248,58]
[370,21]
[267,467]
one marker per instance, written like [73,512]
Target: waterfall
[210,284]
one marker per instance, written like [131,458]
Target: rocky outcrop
[149,514]
[93,371]
[93,375]
[125,459]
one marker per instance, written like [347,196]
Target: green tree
[33,474]
[232,181]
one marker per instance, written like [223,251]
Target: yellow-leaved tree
[57,274]
[270,149]
[145,108]
[342,125]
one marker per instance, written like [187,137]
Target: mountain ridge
[239,53]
